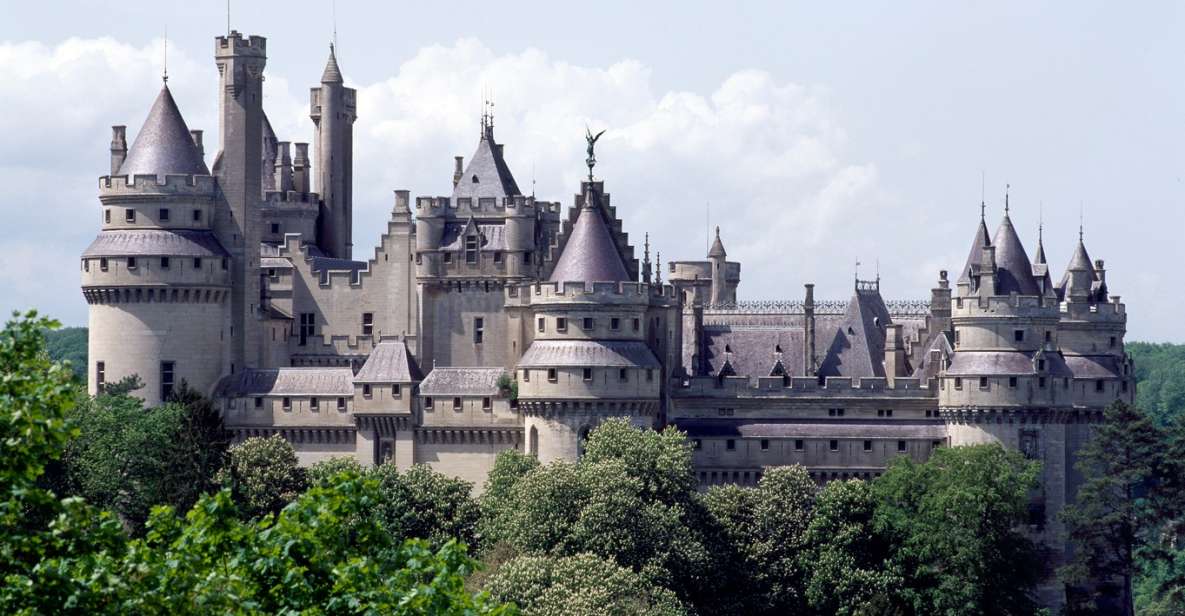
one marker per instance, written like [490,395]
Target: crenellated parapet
[154,186]
[599,293]
[789,387]
[1012,306]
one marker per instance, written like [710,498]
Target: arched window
[533,441]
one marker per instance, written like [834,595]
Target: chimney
[119,147]
[894,353]
[197,141]
[458,169]
[402,201]
[1100,270]
[283,167]
[808,323]
[300,168]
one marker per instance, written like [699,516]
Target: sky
[815,135]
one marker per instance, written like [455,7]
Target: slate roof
[389,362]
[163,145]
[489,167]
[155,242]
[1014,271]
[717,249]
[332,73]
[320,262]
[989,363]
[753,352]
[610,353]
[288,382]
[975,257]
[858,348]
[590,254]
[461,382]
[493,236]
[1094,366]
[1080,261]
[813,428]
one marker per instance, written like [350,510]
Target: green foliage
[580,585]
[660,460]
[509,467]
[954,527]
[262,475]
[421,503]
[1160,376]
[323,472]
[508,386]
[68,344]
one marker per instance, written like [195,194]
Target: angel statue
[591,161]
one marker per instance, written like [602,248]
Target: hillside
[69,344]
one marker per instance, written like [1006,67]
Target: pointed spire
[590,254]
[982,240]
[164,144]
[646,268]
[658,272]
[332,73]
[1039,258]
[1014,271]
[717,250]
[1006,189]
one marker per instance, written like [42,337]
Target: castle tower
[720,293]
[333,108]
[589,359]
[156,278]
[239,169]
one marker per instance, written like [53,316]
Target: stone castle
[488,320]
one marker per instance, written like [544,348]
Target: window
[526,258]
[730,445]
[1098,385]
[649,375]
[1018,335]
[958,336]
[623,375]
[225,263]
[798,445]
[164,214]
[314,404]
[1041,382]
[542,324]
[839,412]
[764,444]
[697,444]
[131,263]
[1048,336]
[308,327]
[1112,342]
[1041,364]
[428,404]
[100,375]
[341,404]
[901,446]
[1123,386]
[166,379]
[958,382]
[588,323]
[833,445]
[197,263]
[275,228]
[831,412]
[129,215]
[471,249]
[561,324]
[448,257]
[456,403]
[396,391]
[103,264]
[479,330]
[551,375]
[366,391]
[614,323]
[935,444]
[164,263]
[197,215]
[286,403]
[367,323]
[588,374]
[867,445]
[497,256]
[637,324]
[486,404]
[880,412]
[983,382]
[526,376]
[107,215]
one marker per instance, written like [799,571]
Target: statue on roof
[591,161]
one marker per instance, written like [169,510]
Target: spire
[658,272]
[1014,271]
[332,73]
[590,254]
[646,268]
[1039,258]
[982,240]
[164,145]
[717,250]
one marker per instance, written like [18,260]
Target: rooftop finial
[856,271]
[333,16]
[1081,208]
[1040,221]
[982,194]
[658,272]
[164,76]
[1007,187]
[591,161]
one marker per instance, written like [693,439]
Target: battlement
[522,205]
[596,292]
[290,198]
[1113,310]
[1018,306]
[148,184]
[235,45]
[799,386]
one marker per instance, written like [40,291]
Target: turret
[333,108]
[301,170]
[283,173]
[810,360]
[119,147]
[716,257]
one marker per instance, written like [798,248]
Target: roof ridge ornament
[591,161]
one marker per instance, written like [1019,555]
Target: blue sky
[821,134]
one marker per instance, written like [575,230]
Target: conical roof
[164,145]
[1014,272]
[1079,262]
[717,249]
[332,73]
[590,254]
[975,258]
[487,174]
[1039,258]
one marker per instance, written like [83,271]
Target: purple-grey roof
[288,382]
[164,145]
[461,382]
[858,348]
[991,363]
[490,170]
[332,73]
[1014,271]
[754,352]
[717,249]
[813,428]
[389,362]
[590,254]
[975,257]
[611,353]
[155,242]
[493,236]
[1094,366]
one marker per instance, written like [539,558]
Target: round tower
[589,360]
[156,279]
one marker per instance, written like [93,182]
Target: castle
[488,320]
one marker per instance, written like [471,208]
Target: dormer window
[475,179]
[471,249]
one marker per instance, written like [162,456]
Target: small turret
[458,169]
[716,257]
[646,269]
[333,108]
[301,170]
[119,147]
[284,182]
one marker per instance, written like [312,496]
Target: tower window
[164,214]
[901,448]
[456,403]
[103,264]
[1099,385]
[428,404]
[637,324]
[258,402]
[100,375]
[471,249]
[275,228]
[588,376]
[225,263]
[197,263]
[197,215]
[764,444]
[131,263]
[649,375]
[107,215]
[1112,342]
[448,257]
[1048,336]
[542,324]
[798,445]
[1041,364]
[588,323]
[1018,335]
[1012,382]
[367,323]
[341,404]
[614,323]
[308,327]
[166,380]
[561,324]
[396,391]
[129,215]
[497,256]
[730,445]
[164,263]
[833,445]
[983,382]
[286,403]
[486,404]
[623,375]
[314,404]
[479,330]
[366,391]
[1041,382]
[958,382]
[526,376]
[551,375]
[867,445]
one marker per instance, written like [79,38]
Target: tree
[199,446]
[954,527]
[845,561]
[509,467]
[579,585]
[262,475]
[421,503]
